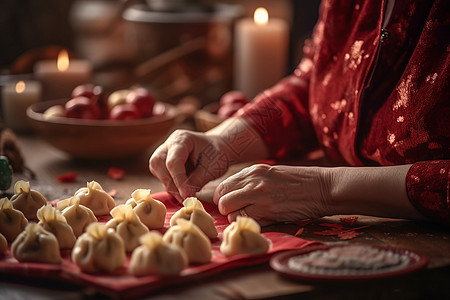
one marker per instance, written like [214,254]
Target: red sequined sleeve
[280,115]
[428,188]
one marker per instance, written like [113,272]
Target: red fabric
[120,283]
[368,94]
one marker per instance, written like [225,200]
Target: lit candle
[61,76]
[16,97]
[261,51]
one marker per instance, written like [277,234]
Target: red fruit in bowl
[126,111]
[82,108]
[233,97]
[85,90]
[143,100]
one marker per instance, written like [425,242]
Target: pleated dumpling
[128,225]
[97,199]
[99,249]
[188,236]
[3,244]
[27,200]
[243,237]
[53,221]
[12,221]
[152,212]
[35,244]
[194,211]
[157,257]
[77,216]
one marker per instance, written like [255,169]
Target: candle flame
[20,87]
[261,16]
[63,60]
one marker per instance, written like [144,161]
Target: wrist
[239,141]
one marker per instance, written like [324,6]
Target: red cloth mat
[121,283]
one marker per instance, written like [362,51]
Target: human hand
[273,194]
[187,160]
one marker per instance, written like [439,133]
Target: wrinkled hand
[187,160]
[273,194]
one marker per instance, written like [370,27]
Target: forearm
[376,191]
[240,141]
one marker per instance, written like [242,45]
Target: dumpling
[77,216]
[99,249]
[12,221]
[3,244]
[97,199]
[194,211]
[188,236]
[35,244]
[51,220]
[27,200]
[157,257]
[151,211]
[243,237]
[128,225]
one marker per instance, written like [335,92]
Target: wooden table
[256,282]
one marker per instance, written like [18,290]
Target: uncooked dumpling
[51,220]
[35,244]
[27,200]
[3,244]
[152,212]
[157,257]
[12,221]
[188,236]
[128,225]
[97,199]
[194,211]
[243,237]
[77,216]
[99,249]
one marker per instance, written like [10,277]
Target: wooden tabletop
[256,282]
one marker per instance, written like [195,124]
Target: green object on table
[5,173]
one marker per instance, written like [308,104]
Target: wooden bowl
[207,118]
[100,139]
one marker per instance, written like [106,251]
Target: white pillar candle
[16,97]
[261,52]
[60,77]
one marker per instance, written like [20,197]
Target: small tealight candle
[60,77]
[16,97]
[261,52]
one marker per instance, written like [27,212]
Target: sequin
[338,105]
[391,138]
[442,171]
[404,90]
[326,79]
[400,119]
[355,56]
[431,78]
[325,129]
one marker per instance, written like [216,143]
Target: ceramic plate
[338,262]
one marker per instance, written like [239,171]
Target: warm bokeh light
[20,87]
[261,16]
[63,60]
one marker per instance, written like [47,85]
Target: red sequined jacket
[371,89]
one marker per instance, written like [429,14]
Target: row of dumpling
[102,247]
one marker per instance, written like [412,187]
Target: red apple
[126,111]
[85,90]
[233,97]
[143,100]
[82,108]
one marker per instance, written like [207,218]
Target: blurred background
[174,47]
